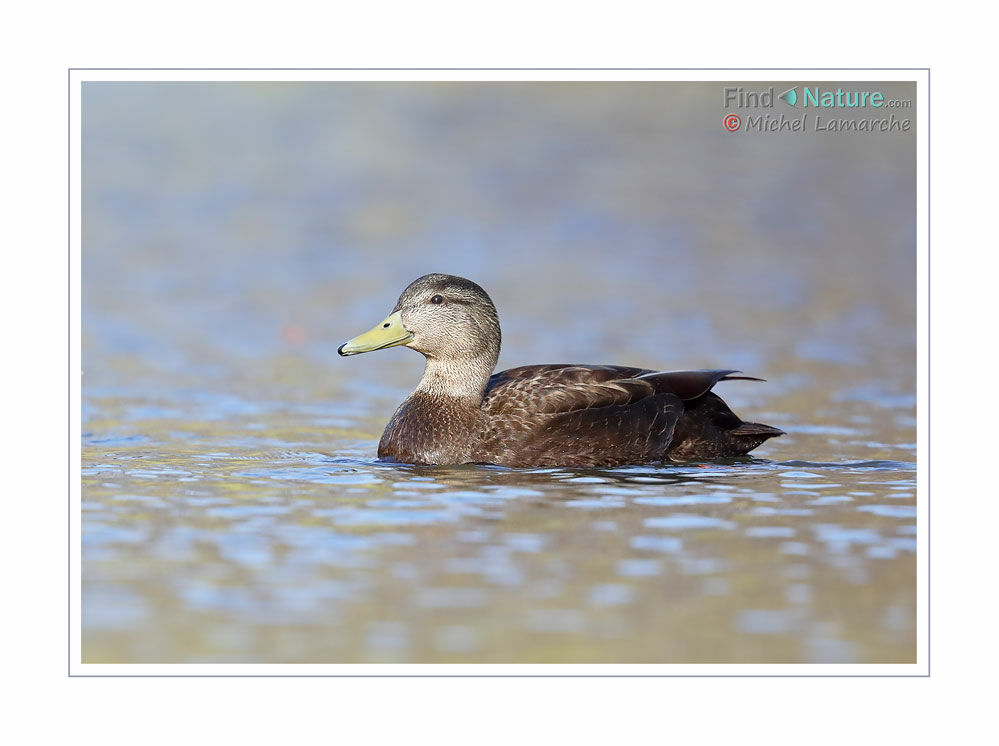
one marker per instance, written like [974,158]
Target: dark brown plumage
[539,415]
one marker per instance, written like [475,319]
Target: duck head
[443,317]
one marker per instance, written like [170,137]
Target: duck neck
[464,380]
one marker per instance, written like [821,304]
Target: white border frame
[921,76]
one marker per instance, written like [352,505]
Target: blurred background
[234,234]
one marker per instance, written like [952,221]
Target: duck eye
[436,300]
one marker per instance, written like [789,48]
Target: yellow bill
[389,333]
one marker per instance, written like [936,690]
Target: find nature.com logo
[817,98]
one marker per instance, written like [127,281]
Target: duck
[550,415]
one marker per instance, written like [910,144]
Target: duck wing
[548,389]
[589,415]
[563,387]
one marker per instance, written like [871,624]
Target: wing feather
[593,414]
[566,388]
